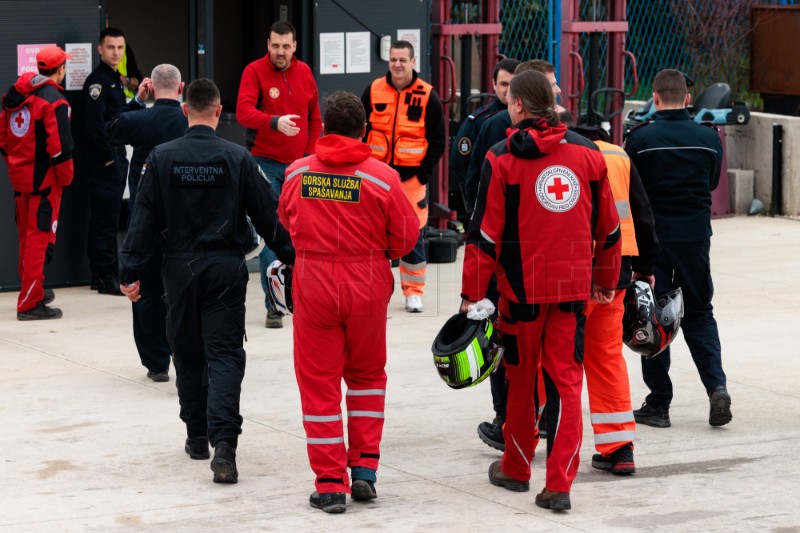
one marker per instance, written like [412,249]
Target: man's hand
[131,291]
[651,279]
[287,126]
[602,296]
[465,306]
[145,90]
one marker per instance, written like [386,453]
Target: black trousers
[205,328]
[106,186]
[150,318]
[687,265]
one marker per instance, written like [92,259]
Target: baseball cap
[51,57]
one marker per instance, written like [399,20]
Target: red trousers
[554,334]
[607,376]
[340,333]
[37,220]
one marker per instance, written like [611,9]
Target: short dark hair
[399,45]
[110,32]
[670,84]
[509,65]
[536,94]
[344,115]
[50,71]
[202,95]
[282,27]
[537,65]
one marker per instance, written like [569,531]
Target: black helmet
[466,351]
[650,325]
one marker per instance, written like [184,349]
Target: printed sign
[331,187]
[79,67]
[26,57]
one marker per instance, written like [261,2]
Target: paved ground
[90,444]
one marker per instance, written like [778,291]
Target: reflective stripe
[367,392]
[612,418]
[367,414]
[520,451]
[380,183]
[296,172]
[324,418]
[620,153]
[483,234]
[415,266]
[412,277]
[411,150]
[678,148]
[614,436]
[332,440]
[623,209]
[377,147]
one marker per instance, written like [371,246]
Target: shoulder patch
[464,145]
[94,90]
[20,121]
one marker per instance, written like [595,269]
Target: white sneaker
[414,304]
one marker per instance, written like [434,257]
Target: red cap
[51,57]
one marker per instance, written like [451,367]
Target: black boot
[197,448]
[224,463]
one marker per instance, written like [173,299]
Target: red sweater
[341,203]
[35,136]
[266,94]
[541,202]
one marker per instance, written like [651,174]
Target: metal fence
[706,39]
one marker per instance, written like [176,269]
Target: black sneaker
[492,434]
[542,429]
[224,463]
[40,312]
[330,502]
[108,284]
[499,478]
[658,417]
[274,319]
[620,461]
[556,501]
[720,402]
[362,490]
[159,377]
[49,296]
[197,448]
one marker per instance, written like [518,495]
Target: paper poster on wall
[411,36]
[26,57]
[357,51]
[331,53]
[79,67]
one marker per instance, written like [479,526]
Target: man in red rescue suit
[405,129]
[607,380]
[36,142]
[278,103]
[346,214]
[542,200]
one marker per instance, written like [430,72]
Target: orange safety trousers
[340,308]
[37,220]
[413,265]
[554,335]
[607,380]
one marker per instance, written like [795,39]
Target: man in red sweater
[279,105]
[36,142]
[347,215]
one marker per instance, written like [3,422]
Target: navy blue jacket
[679,162]
[463,142]
[103,99]
[492,132]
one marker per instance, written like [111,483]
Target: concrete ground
[90,444]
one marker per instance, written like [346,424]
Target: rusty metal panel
[774,44]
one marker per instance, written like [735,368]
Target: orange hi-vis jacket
[619,177]
[397,135]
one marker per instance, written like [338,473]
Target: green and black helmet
[466,351]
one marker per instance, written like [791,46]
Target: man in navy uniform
[462,146]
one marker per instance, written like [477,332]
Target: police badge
[94,90]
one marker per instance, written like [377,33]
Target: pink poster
[26,57]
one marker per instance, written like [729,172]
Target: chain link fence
[706,39]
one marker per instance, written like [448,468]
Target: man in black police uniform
[194,197]
[679,161]
[144,128]
[462,146]
[104,96]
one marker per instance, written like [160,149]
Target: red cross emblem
[558,188]
[20,121]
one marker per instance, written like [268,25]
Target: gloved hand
[480,310]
